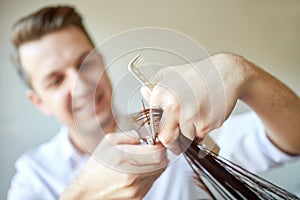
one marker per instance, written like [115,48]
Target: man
[51,47]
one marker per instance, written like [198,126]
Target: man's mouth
[91,105]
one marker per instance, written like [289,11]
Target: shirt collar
[69,151]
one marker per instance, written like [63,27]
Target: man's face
[53,63]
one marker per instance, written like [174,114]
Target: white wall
[266,32]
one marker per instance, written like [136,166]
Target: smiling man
[52,64]
[66,78]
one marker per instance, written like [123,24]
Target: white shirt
[46,171]
[244,141]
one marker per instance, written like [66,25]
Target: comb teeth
[142,70]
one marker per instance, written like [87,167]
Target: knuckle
[131,189]
[157,91]
[110,137]
[172,107]
[128,179]
[132,193]
[156,95]
[218,124]
[159,157]
[188,120]
[201,130]
[168,139]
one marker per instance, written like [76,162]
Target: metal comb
[145,73]
[142,71]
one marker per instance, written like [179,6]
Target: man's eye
[55,82]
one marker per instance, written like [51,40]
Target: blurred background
[266,32]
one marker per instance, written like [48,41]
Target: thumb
[146,93]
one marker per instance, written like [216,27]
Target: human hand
[119,169]
[195,98]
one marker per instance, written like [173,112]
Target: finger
[146,93]
[169,131]
[107,151]
[174,147]
[139,184]
[188,129]
[128,137]
[201,131]
[169,134]
[142,155]
[132,158]
[159,95]
[140,165]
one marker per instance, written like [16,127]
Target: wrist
[249,74]
[236,71]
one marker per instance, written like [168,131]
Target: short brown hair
[39,24]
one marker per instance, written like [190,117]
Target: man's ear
[37,102]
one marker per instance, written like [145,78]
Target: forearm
[276,104]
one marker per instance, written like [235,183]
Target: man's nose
[80,85]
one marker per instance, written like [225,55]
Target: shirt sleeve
[243,140]
[22,184]
[270,150]
[28,183]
